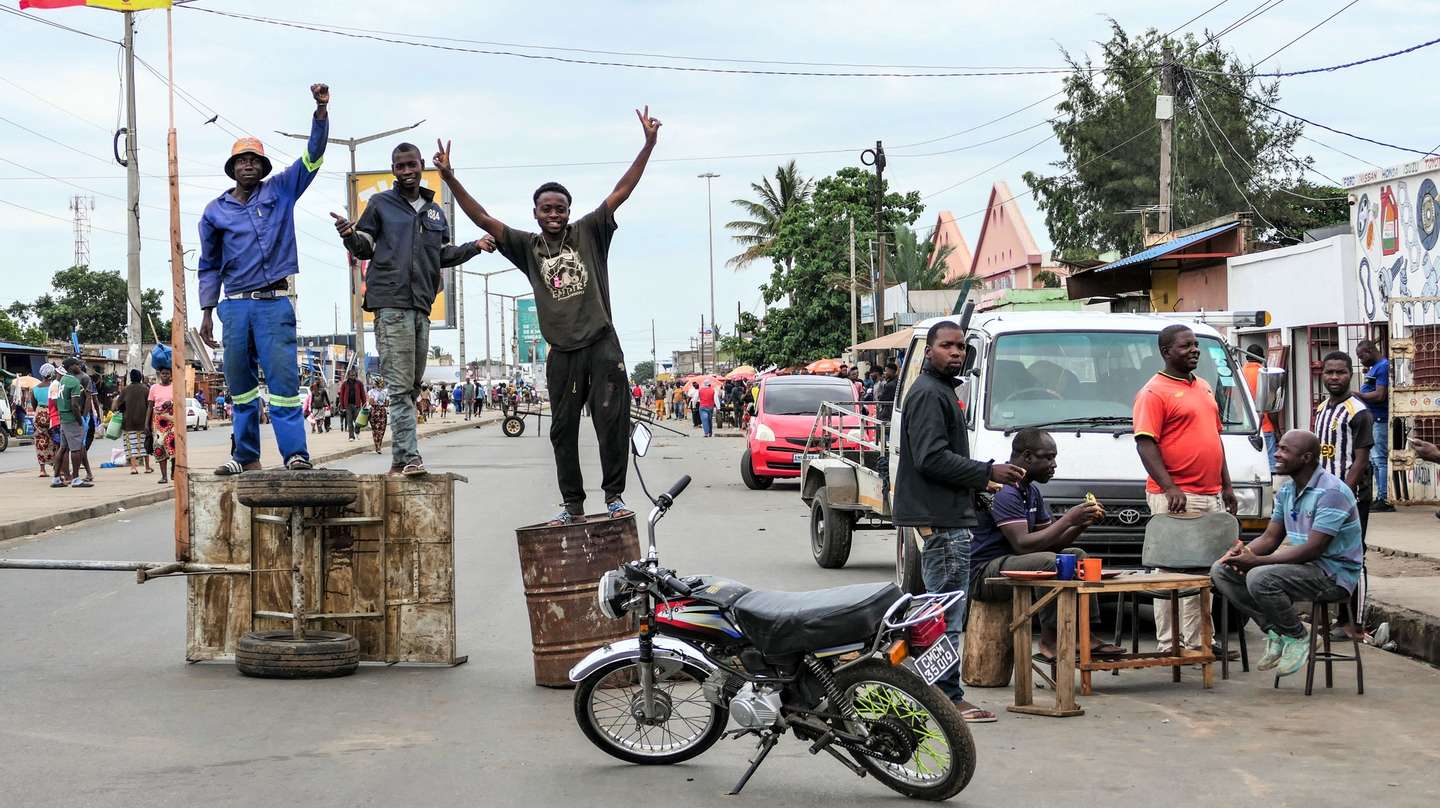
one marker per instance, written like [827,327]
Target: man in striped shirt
[1311,550]
[1344,425]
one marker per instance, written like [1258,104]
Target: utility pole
[352,207]
[1165,113]
[460,318]
[132,204]
[654,361]
[854,316]
[876,157]
[710,226]
[702,343]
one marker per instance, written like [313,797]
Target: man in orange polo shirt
[1177,433]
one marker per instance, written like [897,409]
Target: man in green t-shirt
[73,404]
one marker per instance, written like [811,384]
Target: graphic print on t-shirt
[565,274]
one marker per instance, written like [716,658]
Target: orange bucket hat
[247,145]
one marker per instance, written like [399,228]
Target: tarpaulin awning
[1132,273]
[887,342]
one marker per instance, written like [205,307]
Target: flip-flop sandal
[149,471]
[227,469]
[298,463]
[416,469]
[977,715]
[618,510]
[565,517]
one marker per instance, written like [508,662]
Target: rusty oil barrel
[560,566]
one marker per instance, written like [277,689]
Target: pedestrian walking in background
[247,249]
[936,483]
[379,401]
[73,405]
[1177,434]
[1254,363]
[161,421]
[133,404]
[1375,392]
[320,405]
[706,399]
[693,397]
[568,267]
[45,447]
[351,399]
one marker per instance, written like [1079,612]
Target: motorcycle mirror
[640,440]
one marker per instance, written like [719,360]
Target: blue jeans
[945,567]
[707,419]
[403,338]
[260,334]
[1380,458]
[1270,443]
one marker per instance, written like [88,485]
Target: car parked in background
[195,415]
[781,419]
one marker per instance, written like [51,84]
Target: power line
[985,171]
[67,220]
[52,24]
[1274,108]
[1332,68]
[390,38]
[1307,32]
[1205,131]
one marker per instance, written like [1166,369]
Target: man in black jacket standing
[405,236]
[936,483]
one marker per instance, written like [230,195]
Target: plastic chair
[1191,545]
[1320,622]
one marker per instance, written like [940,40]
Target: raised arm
[631,178]
[298,176]
[467,203]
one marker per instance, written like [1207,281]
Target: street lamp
[486,276]
[515,313]
[351,203]
[710,225]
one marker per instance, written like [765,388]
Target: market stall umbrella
[821,366]
[745,372]
[26,382]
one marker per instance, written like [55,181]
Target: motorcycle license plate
[938,661]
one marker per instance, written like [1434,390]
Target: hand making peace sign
[651,125]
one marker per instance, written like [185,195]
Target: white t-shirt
[378,395]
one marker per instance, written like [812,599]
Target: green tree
[1219,132]
[1047,279]
[644,372]
[915,262]
[96,300]
[758,233]
[11,330]
[811,269]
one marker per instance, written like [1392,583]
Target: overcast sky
[508,116]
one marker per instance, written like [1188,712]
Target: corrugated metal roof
[1168,247]
[14,346]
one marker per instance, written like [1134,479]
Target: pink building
[1005,256]
[947,234]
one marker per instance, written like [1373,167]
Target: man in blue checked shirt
[1311,550]
[247,254]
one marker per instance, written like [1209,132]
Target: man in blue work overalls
[247,248]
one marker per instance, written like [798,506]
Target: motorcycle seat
[781,623]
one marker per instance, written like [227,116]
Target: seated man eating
[1017,532]
[1312,549]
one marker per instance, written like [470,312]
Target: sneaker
[1294,651]
[1382,507]
[1272,652]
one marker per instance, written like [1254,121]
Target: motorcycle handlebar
[675,490]
[676,585]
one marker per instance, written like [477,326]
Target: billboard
[370,183]
[528,330]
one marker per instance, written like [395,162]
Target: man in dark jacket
[936,484]
[405,236]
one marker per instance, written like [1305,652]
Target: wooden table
[1073,610]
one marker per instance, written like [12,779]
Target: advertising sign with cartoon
[1395,214]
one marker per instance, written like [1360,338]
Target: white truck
[1076,374]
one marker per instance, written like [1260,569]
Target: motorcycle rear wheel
[944,757]
[603,704]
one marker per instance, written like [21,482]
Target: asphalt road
[99,708]
[19,458]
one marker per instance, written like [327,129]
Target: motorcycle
[848,670]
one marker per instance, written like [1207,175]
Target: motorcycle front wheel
[607,707]
[941,756]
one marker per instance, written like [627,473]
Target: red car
[784,413]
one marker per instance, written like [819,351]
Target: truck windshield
[1070,376]
[803,399]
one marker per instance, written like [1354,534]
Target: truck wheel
[278,655]
[907,562]
[5,438]
[830,532]
[281,488]
[748,476]
[513,426]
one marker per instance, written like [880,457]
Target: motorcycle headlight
[611,594]
[1247,501]
[764,433]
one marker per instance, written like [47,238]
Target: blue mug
[1065,566]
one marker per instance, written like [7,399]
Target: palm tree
[758,232]
[919,265]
